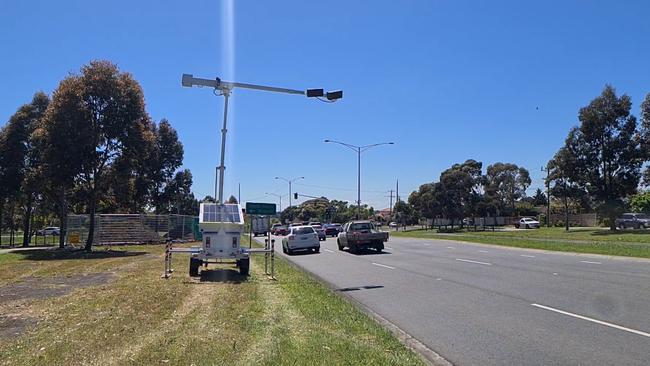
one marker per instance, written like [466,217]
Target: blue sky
[445,80]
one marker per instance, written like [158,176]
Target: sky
[446,81]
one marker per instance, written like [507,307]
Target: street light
[224,88]
[290,181]
[359,150]
[276,195]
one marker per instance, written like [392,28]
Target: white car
[302,237]
[50,230]
[527,223]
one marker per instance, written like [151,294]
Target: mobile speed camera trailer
[223,224]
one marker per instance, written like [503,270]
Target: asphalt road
[485,305]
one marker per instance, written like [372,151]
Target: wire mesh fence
[114,229]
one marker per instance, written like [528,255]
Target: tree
[167,158]
[178,197]
[539,199]
[606,152]
[645,136]
[232,199]
[33,177]
[505,183]
[63,139]
[108,115]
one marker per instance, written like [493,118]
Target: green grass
[629,243]
[139,318]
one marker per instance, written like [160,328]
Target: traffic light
[295,196]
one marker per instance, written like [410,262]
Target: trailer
[221,226]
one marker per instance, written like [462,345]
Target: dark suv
[633,220]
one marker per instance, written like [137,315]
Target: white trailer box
[222,227]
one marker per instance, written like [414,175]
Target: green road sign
[255,208]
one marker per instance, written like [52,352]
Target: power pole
[391,202]
[239,194]
[397,192]
[548,197]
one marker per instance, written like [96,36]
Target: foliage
[602,156]
[539,198]
[640,202]
[324,210]
[505,183]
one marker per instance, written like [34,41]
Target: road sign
[256,208]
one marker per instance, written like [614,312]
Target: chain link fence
[115,229]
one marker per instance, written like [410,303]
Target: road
[487,305]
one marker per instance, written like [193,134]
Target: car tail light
[290,237]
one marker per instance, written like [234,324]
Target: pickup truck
[358,235]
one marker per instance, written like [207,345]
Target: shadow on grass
[64,254]
[640,232]
[221,275]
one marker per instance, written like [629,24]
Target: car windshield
[303,230]
[642,216]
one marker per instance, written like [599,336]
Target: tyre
[194,267]
[338,242]
[284,249]
[317,250]
[353,248]
[289,251]
[244,266]
[379,246]
[527,226]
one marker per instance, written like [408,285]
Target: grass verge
[595,241]
[139,318]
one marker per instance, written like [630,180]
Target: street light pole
[290,181]
[226,87]
[359,150]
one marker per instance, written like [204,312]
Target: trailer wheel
[244,266]
[194,267]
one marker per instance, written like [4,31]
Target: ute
[358,235]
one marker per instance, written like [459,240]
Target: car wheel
[338,242]
[527,226]
[317,250]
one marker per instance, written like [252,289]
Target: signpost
[266,209]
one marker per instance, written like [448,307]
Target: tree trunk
[27,219]
[91,226]
[566,213]
[63,219]
[2,208]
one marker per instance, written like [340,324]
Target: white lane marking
[590,262]
[483,251]
[554,273]
[427,244]
[382,265]
[330,251]
[477,262]
[527,256]
[438,279]
[450,247]
[592,320]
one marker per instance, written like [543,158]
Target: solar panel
[213,212]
